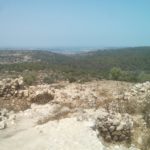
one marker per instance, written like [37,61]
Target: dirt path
[67,134]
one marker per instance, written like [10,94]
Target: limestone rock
[8,87]
[114,127]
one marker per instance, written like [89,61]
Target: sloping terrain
[94,115]
[134,59]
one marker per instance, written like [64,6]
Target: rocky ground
[99,115]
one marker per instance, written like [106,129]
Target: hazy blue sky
[56,23]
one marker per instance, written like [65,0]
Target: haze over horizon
[64,23]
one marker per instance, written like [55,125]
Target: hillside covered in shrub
[128,64]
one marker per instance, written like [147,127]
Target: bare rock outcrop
[14,95]
[11,87]
[140,91]
[114,127]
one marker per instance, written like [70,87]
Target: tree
[115,73]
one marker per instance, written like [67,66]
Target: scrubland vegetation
[128,64]
[50,87]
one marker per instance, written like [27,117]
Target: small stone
[116,122]
[122,137]
[120,127]
[4,112]
[20,94]
[8,95]
[112,128]
[104,129]
[108,138]
[13,87]
[115,138]
[26,93]
[3,125]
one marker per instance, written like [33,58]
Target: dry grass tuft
[42,98]
[59,113]
[57,116]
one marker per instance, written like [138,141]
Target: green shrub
[72,79]
[29,78]
[115,73]
[129,76]
[121,75]
[143,77]
[49,80]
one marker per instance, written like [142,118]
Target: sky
[74,23]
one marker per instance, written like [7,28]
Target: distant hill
[137,58]
[95,63]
